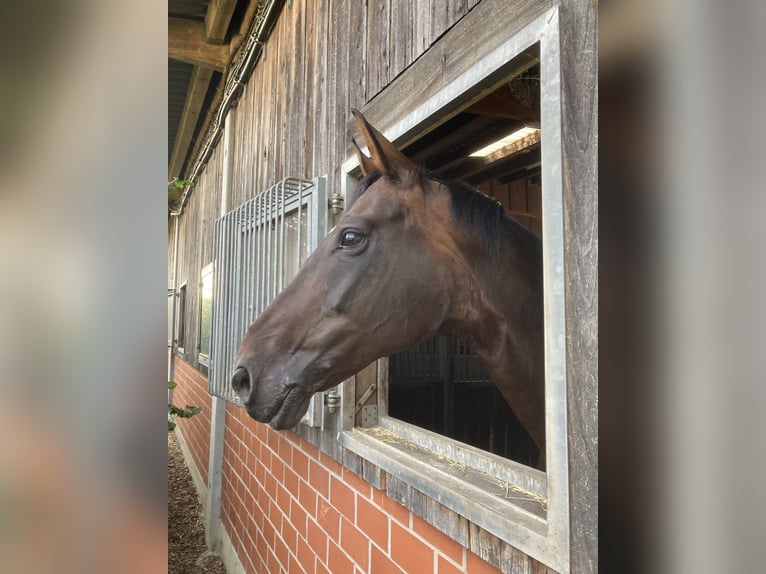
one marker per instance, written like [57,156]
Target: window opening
[205,312]
[181,317]
[439,384]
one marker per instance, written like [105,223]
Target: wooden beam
[195,96]
[187,44]
[502,104]
[217,20]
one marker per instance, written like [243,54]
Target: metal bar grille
[258,249]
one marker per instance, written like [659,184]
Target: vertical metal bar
[226,314]
[261,251]
[272,241]
[252,278]
[282,225]
[299,261]
[258,254]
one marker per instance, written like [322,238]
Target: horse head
[380,282]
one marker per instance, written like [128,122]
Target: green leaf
[172,384]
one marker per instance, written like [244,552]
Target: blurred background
[681,284]
[83,144]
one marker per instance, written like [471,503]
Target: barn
[415,464]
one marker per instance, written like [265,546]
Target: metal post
[213,524]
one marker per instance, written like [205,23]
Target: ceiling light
[505,142]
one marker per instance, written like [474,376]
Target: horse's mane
[470,207]
[479,212]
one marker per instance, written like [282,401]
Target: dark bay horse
[413,256]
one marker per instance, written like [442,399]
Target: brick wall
[289,508]
[192,390]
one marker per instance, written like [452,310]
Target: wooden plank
[356,66]
[295,129]
[217,19]
[456,9]
[195,97]
[277,117]
[309,81]
[321,153]
[187,44]
[401,36]
[439,19]
[579,86]
[422,26]
[378,49]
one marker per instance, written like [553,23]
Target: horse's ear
[384,156]
[364,162]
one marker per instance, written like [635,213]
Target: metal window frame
[248,266]
[204,359]
[545,538]
[181,325]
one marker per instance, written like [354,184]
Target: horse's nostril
[240,381]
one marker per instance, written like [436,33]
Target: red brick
[272,562]
[294,567]
[282,554]
[310,450]
[301,464]
[319,478]
[373,522]
[342,498]
[291,482]
[305,555]
[328,518]
[382,564]
[277,468]
[285,451]
[446,567]
[354,542]
[338,562]
[272,439]
[307,497]
[475,565]
[438,539]
[289,534]
[357,483]
[283,498]
[317,539]
[298,517]
[270,485]
[322,569]
[409,552]
[330,463]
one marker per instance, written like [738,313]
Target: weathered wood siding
[195,246]
[321,59]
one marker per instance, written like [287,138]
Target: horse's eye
[350,239]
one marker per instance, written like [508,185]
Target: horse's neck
[504,324]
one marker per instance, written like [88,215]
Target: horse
[413,256]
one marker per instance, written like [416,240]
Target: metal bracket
[369,416]
[363,399]
[332,399]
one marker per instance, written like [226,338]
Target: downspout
[251,51]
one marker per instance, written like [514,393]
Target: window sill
[500,496]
